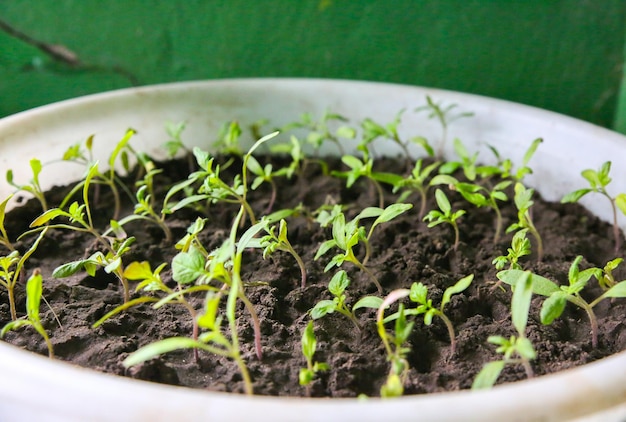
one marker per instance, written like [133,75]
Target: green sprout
[272,242]
[337,287]
[34,186]
[363,168]
[394,345]
[228,140]
[598,182]
[320,132]
[347,235]
[517,349]
[520,246]
[34,290]
[12,270]
[419,294]
[264,174]
[523,202]
[96,178]
[558,296]
[607,280]
[445,215]
[372,130]
[479,196]
[506,165]
[4,237]
[309,345]
[416,182]
[445,116]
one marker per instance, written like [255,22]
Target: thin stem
[616,234]
[422,211]
[496,236]
[256,323]
[270,204]
[12,303]
[527,368]
[369,273]
[450,328]
[456,236]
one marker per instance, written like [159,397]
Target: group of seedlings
[217,274]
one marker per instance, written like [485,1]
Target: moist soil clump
[403,251]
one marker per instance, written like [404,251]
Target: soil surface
[403,251]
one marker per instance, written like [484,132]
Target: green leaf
[553,307]
[47,216]
[460,285]
[138,271]
[158,348]
[488,376]
[575,196]
[520,303]
[443,202]
[373,302]
[619,290]
[323,308]
[418,293]
[14,325]
[541,285]
[352,162]
[525,348]
[339,283]
[309,343]
[34,290]
[391,212]
[187,267]
[70,268]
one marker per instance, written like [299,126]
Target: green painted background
[563,55]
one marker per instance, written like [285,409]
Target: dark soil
[404,251]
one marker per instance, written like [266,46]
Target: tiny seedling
[520,246]
[337,287]
[320,132]
[558,296]
[34,186]
[416,182]
[515,349]
[34,290]
[479,196]
[12,270]
[95,177]
[363,168]
[372,130]
[347,235]
[445,215]
[272,242]
[309,346]
[419,294]
[4,237]
[506,165]
[394,344]
[444,115]
[598,182]
[523,202]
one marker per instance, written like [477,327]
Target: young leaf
[488,376]
[460,285]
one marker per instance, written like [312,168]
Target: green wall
[563,55]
